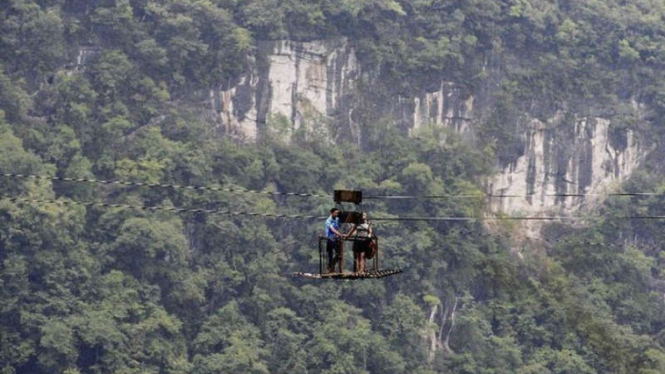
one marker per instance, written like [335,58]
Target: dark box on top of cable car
[347,196]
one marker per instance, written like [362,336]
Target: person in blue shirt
[333,235]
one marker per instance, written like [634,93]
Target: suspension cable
[313,195]
[312,217]
[157,208]
[158,185]
[494,196]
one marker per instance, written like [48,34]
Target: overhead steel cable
[493,196]
[309,195]
[301,216]
[508,218]
[158,208]
[159,185]
[463,231]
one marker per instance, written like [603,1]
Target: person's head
[363,216]
[334,212]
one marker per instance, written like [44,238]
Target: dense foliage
[96,290]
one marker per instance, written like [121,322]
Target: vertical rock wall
[298,81]
[583,157]
[292,83]
[291,80]
[447,106]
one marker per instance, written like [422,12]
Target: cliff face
[446,106]
[300,81]
[292,82]
[566,156]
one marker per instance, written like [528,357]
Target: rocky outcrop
[293,85]
[447,106]
[583,157]
[292,82]
[85,55]
[297,83]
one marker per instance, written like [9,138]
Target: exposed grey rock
[565,158]
[302,83]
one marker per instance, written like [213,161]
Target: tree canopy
[94,290]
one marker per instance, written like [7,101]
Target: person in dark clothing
[361,243]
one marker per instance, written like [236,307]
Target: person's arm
[335,231]
[352,231]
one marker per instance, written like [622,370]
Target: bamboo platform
[345,275]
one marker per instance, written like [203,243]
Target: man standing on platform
[334,239]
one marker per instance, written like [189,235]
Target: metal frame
[355,197]
[323,255]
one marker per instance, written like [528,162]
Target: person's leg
[355,256]
[361,256]
[330,248]
[355,261]
[338,255]
[361,261]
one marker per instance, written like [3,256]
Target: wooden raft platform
[364,275]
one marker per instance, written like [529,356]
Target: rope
[163,209]
[550,240]
[473,219]
[300,216]
[505,218]
[313,195]
[492,196]
[157,185]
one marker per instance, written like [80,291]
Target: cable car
[371,252]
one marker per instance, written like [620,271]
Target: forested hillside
[91,289]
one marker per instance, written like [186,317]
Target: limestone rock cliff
[297,81]
[585,157]
[293,82]
[446,106]
[290,80]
